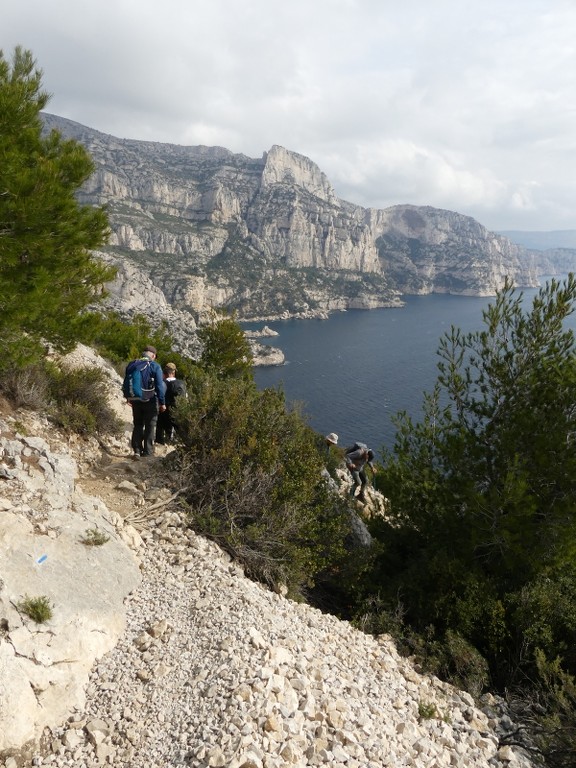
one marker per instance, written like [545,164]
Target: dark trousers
[165,427]
[145,415]
[360,481]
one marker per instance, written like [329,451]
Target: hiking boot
[136,456]
[362,498]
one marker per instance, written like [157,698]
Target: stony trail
[211,669]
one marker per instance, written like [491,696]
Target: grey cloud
[467,106]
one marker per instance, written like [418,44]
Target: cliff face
[269,236]
[427,250]
[554,261]
[133,293]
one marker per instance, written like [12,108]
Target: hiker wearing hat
[331,439]
[175,388]
[145,393]
[356,458]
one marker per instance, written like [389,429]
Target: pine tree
[47,273]
[226,351]
[482,490]
[501,448]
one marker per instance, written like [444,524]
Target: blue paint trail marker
[41,559]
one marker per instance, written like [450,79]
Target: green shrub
[253,474]
[547,713]
[119,339]
[73,398]
[456,660]
[557,689]
[451,658]
[80,404]
[544,614]
[226,351]
[427,710]
[94,537]
[75,417]
[21,428]
[26,387]
[375,617]
[38,609]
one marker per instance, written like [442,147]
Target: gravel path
[215,670]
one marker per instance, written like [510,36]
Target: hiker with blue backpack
[144,390]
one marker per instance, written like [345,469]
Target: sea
[351,373]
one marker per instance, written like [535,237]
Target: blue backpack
[139,382]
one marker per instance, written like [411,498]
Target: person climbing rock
[329,440]
[356,458]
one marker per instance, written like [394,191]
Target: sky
[466,105]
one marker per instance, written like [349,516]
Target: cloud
[459,104]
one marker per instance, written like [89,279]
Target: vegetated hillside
[269,236]
[202,666]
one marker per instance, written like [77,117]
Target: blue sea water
[352,372]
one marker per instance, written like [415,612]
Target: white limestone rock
[44,667]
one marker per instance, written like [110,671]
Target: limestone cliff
[269,236]
[427,250]
[554,261]
[133,293]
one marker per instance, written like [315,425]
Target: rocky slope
[269,236]
[133,293]
[161,653]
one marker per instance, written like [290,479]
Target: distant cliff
[554,261]
[269,237]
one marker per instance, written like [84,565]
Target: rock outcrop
[427,250]
[133,293]
[269,236]
[45,518]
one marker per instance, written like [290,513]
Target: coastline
[268,355]
[319,314]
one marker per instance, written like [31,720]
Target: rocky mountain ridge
[160,652]
[268,237]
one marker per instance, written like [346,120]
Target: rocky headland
[268,236]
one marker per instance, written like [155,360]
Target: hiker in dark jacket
[175,388]
[145,412]
[356,459]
